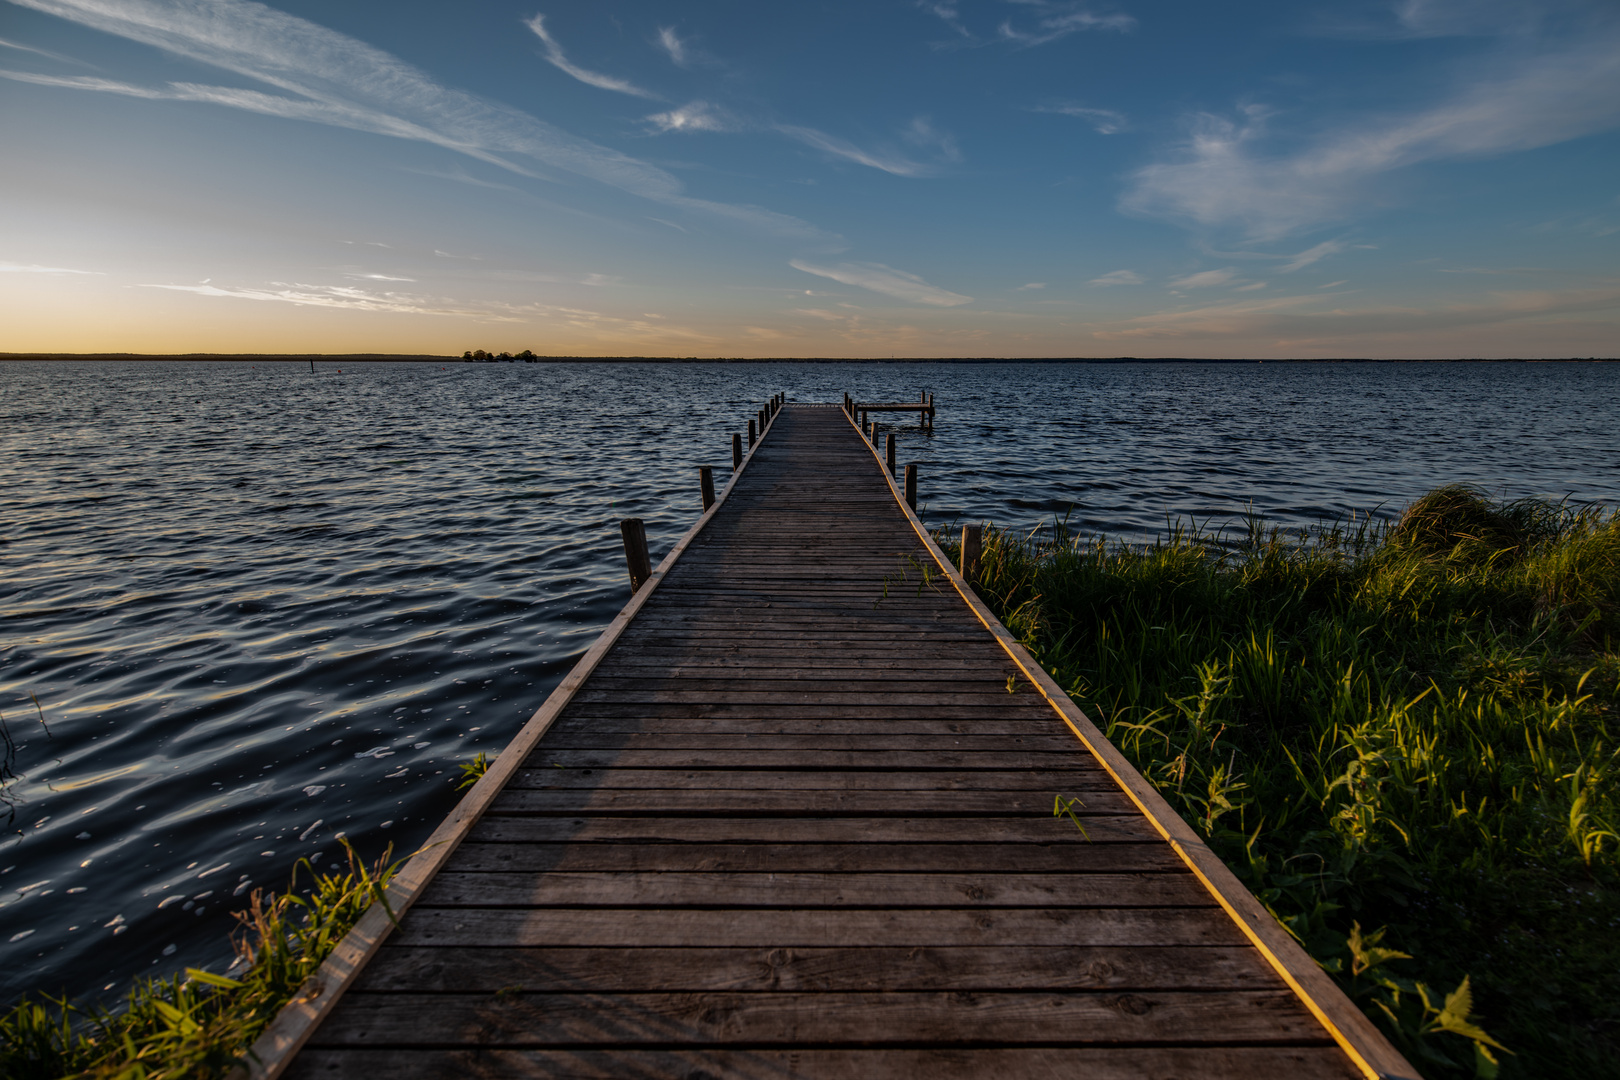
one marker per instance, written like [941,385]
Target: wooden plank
[787,1017]
[760,711]
[845,760]
[797,890]
[815,802]
[695,725]
[906,1063]
[576,739]
[1075,781]
[660,829]
[426,969]
[1152,857]
[817,927]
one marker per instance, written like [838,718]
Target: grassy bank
[197,1025]
[1402,739]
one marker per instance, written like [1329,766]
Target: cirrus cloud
[886,280]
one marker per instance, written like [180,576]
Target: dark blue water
[260,607]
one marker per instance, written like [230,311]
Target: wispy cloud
[378,277]
[1289,319]
[1031,285]
[1117,277]
[1312,255]
[4,44]
[1204,279]
[1060,24]
[886,280]
[35,268]
[330,78]
[557,59]
[1224,176]
[461,176]
[331,296]
[1103,121]
[695,116]
[897,164]
[923,135]
[679,52]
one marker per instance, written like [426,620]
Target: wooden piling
[889,457]
[706,485]
[751,435]
[911,486]
[736,451]
[635,552]
[972,548]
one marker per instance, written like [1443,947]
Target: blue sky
[884,177]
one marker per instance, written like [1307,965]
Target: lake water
[259,606]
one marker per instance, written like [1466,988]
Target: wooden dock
[793,817]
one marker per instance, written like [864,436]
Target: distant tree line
[479,356]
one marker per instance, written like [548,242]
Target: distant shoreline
[389,358]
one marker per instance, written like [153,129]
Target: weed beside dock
[1401,737]
[197,1025]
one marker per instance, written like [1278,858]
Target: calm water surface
[259,608]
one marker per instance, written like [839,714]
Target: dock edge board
[1356,1035]
[278,1045]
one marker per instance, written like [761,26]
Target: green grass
[197,1025]
[1401,738]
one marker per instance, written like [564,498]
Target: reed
[1400,737]
[197,1025]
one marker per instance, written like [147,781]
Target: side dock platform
[792,816]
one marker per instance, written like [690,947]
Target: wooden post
[930,412]
[891,453]
[706,485]
[750,434]
[972,548]
[736,450]
[911,486]
[635,552]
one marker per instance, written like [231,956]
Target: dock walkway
[793,823]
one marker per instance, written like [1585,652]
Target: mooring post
[635,552]
[736,450]
[972,547]
[706,485]
[911,486]
[930,412]
[891,453]
[750,434]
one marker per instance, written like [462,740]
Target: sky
[912,178]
